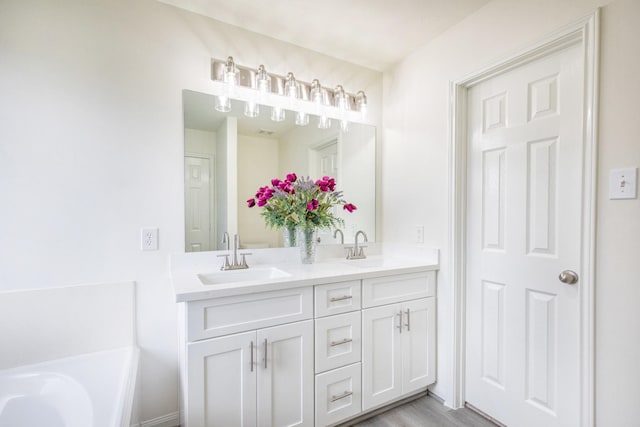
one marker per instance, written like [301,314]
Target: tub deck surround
[283,270]
[92,389]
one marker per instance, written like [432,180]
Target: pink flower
[275,182]
[262,201]
[286,187]
[326,183]
[313,205]
[251,202]
[349,207]
[292,177]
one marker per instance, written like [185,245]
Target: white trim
[586,32]
[169,420]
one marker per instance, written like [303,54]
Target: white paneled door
[197,180]
[525,166]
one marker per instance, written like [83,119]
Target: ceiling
[371,33]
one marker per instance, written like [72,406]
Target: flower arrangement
[300,202]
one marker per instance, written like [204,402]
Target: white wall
[415,157]
[257,164]
[91,147]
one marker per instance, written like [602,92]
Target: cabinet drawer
[338,341]
[397,288]
[222,316]
[336,298]
[338,395]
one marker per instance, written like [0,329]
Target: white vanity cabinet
[398,338]
[261,377]
[317,347]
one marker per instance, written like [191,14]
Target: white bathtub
[88,390]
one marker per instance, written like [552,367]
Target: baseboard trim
[380,410]
[482,414]
[169,420]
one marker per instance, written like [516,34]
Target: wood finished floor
[426,412]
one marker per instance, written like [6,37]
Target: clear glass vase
[307,240]
[289,235]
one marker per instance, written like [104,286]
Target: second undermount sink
[248,275]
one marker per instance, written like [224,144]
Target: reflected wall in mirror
[228,156]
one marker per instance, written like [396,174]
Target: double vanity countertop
[197,275]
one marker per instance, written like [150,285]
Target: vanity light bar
[227,71]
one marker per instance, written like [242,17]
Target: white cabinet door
[285,375]
[398,350]
[418,344]
[221,382]
[381,355]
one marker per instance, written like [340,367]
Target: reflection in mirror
[228,156]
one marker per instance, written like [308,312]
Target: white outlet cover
[623,183]
[149,239]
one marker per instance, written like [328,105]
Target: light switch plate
[622,183]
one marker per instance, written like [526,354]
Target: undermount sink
[247,275]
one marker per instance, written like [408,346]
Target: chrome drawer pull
[251,356]
[265,353]
[334,299]
[408,324]
[344,341]
[342,396]
[400,325]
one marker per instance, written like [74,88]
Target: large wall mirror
[228,156]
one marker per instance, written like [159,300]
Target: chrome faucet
[357,251]
[234,264]
[335,235]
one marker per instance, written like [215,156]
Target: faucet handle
[349,251]
[225,265]
[243,262]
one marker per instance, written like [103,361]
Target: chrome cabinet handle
[251,356]
[334,299]
[265,353]
[408,324]
[569,277]
[400,325]
[342,396]
[344,341]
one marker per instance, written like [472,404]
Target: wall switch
[622,183]
[149,239]
[419,233]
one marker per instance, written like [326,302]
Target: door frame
[584,32]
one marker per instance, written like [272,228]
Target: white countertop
[331,266]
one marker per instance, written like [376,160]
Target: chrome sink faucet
[234,264]
[357,251]
[225,239]
[335,235]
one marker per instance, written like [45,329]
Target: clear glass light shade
[263,83]
[291,88]
[324,122]
[277,114]
[222,103]
[361,103]
[340,99]
[230,76]
[302,118]
[251,109]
